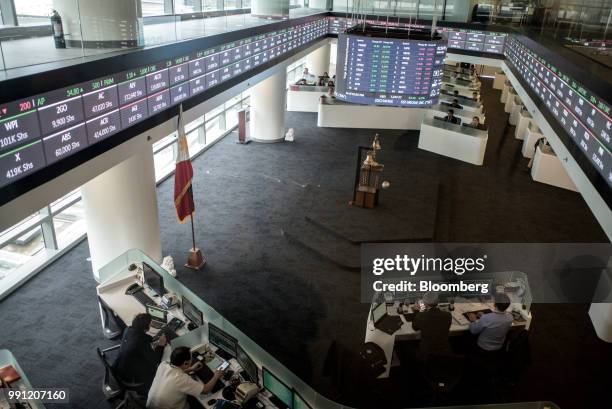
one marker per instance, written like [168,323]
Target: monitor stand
[277,402]
[223,354]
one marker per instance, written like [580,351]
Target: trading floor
[291,299]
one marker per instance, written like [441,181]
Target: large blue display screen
[389,71]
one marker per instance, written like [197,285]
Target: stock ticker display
[460,39]
[389,71]
[43,129]
[583,115]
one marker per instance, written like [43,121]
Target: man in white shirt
[172,384]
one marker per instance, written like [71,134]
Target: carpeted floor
[292,301]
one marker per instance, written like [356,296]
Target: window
[69,225]
[33,12]
[246,4]
[153,7]
[210,5]
[185,6]
[229,4]
[165,161]
[19,250]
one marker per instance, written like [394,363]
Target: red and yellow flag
[183,195]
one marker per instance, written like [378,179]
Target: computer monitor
[299,402]
[222,340]
[192,313]
[153,279]
[247,364]
[282,394]
[379,311]
[157,314]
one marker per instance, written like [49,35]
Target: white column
[121,211]
[101,24]
[268,103]
[601,317]
[317,61]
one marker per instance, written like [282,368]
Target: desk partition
[23,384]
[117,270]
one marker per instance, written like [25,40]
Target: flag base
[195,261]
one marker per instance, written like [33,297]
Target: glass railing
[117,270]
[75,32]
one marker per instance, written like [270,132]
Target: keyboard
[169,330]
[143,298]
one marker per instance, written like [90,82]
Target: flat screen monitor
[157,314]
[222,339]
[276,387]
[299,402]
[379,311]
[247,364]
[192,313]
[153,279]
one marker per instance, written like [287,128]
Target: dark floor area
[294,302]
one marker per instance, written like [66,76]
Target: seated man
[434,325]
[450,117]
[301,81]
[137,360]
[476,123]
[172,384]
[475,96]
[493,327]
[455,104]
[455,93]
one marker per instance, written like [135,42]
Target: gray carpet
[289,299]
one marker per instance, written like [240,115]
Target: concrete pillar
[317,61]
[268,103]
[101,24]
[270,8]
[121,211]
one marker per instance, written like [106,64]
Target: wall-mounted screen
[43,129]
[584,116]
[389,70]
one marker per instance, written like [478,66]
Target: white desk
[464,92]
[459,325]
[515,110]
[305,99]
[524,119]
[455,141]
[498,82]
[547,168]
[532,134]
[504,95]
[468,104]
[126,307]
[509,100]
[466,116]
[339,114]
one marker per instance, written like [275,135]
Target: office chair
[442,372]
[112,325]
[113,387]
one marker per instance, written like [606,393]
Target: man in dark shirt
[137,360]
[450,117]
[455,104]
[434,325]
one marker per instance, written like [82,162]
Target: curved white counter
[455,141]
